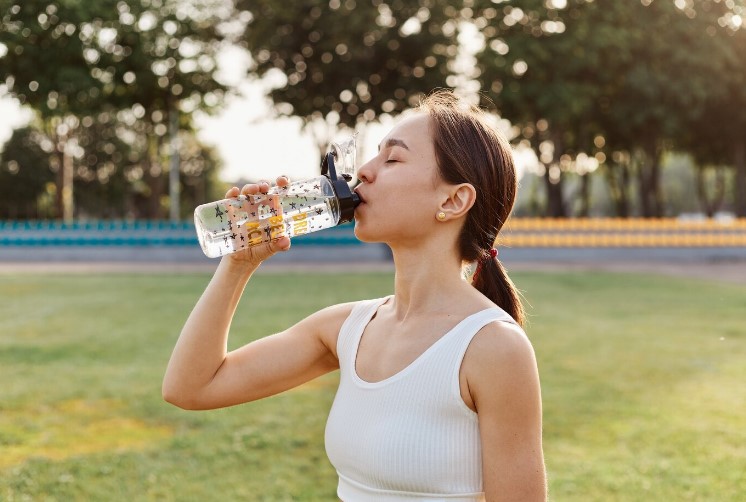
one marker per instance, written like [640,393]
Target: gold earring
[441,216]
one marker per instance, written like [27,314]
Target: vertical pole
[173,172]
[67,183]
[739,188]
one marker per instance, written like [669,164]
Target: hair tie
[487,255]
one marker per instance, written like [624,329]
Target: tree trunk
[624,195]
[585,196]
[154,177]
[555,207]
[555,199]
[59,181]
[618,188]
[174,165]
[64,204]
[739,164]
[643,187]
[710,205]
[67,184]
[649,182]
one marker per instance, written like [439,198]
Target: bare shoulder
[327,322]
[499,360]
[334,313]
[500,341]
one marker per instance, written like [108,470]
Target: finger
[263,186]
[250,189]
[232,192]
[264,251]
[276,203]
[282,181]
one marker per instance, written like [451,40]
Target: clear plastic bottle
[231,225]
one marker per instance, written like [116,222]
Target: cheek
[403,217]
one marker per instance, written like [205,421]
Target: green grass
[642,377]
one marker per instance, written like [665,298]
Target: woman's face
[401,188]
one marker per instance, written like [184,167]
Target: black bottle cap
[348,200]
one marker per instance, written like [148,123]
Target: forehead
[414,131]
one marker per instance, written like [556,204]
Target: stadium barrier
[613,232]
[140,233]
[518,233]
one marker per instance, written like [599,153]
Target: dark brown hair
[469,150]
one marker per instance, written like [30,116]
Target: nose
[365,173]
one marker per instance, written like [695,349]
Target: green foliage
[24,174]
[350,61]
[641,379]
[622,81]
[45,65]
[88,57]
[105,79]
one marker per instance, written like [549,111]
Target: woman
[439,395]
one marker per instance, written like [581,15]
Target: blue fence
[135,233]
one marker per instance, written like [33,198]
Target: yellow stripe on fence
[535,232]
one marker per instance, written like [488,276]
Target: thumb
[281,244]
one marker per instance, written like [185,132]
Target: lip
[361,196]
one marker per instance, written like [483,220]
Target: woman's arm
[503,382]
[203,375]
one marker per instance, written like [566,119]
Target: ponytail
[492,281]
[468,149]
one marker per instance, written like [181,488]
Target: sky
[11,117]
[253,144]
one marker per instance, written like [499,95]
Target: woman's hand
[254,255]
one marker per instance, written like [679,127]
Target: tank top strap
[467,331]
[352,329]
[470,326]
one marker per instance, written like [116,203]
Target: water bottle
[231,225]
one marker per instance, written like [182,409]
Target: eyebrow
[394,142]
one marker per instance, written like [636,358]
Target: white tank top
[411,436]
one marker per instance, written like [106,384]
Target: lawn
[642,378]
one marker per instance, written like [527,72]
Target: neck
[428,278]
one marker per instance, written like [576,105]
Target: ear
[460,198]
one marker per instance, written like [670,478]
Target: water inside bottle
[231,225]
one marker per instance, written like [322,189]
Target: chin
[360,232]
[365,233]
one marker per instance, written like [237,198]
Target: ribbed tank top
[411,436]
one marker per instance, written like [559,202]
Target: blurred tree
[585,76]
[24,174]
[199,169]
[665,85]
[101,174]
[83,65]
[44,66]
[158,60]
[540,66]
[617,171]
[349,61]
[716,137]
